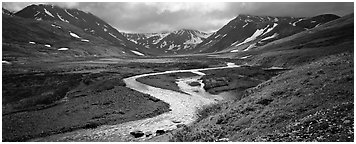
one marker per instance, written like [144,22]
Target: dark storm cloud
[155,17]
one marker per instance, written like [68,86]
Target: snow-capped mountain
[176,42]
[88,22]
[246,32]
[25,39]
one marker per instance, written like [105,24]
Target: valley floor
[42,99]
[309,102]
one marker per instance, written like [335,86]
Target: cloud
[188,7]
[66,4]
[204,16]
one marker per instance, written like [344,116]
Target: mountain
[6,12]
[176,42]
[247,31]
[88,22]
[25,40]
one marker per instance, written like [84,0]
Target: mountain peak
[88,22]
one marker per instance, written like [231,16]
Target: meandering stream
[183,110]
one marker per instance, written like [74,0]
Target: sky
[147,17]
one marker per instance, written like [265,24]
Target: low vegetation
[313,102]
[43,104]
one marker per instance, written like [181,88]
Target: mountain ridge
[246,28]
[87,21]
[173,42]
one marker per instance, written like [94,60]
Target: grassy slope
[18,32]
[313,102]
[93,100]
[236,79]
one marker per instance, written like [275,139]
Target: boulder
[181,125]
[160,132]
[137,134]
[194,83]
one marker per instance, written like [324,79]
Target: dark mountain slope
[88,22]
[27,39]
[330,38]
[313,102]
[246,32]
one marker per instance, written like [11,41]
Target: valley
[67,75]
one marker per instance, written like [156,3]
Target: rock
[223,140]
[176,121]
[181,125]
[160,132]
[320,72]
[153,99]
[347,121]
[264,101]
[137,134]
[148,134]
[194,83]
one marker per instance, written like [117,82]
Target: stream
[183,110]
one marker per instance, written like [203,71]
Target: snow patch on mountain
[133,41]
[74,35]
[5,62]
[172,46]
[56,26]
[186,46]
[115,36]
[137,53]
[163,44]
[270,29]
[235,50]
[257,33]
[161,36]
[244,25]
[193,40]
[36,13]
[203,35]
[63,49]
[294,24]
[270,37]
[47,12]
[62,19]
[245,57]
[70,14]
[249,47]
